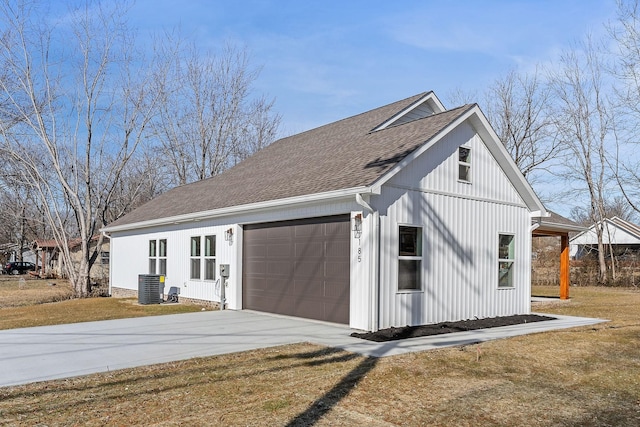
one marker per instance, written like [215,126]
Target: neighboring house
[11,252]
[49,255]
[100,268]
[47,258]
[407,214]
[623,236]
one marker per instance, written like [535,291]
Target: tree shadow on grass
[321,406]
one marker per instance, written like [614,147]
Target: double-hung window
[158,257]
[464,164]
[203,253]
[410,258]
[506,259]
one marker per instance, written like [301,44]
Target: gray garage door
[298,268]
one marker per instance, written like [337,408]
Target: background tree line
[92,123]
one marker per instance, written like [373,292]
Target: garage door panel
[336,270]
[336,291]
[255,269]
[338,311]
[278,250]
[308,270]
[309,250]
[309,308]
[255,251]
[308,289]
[279,268]
[277,286]
[337,249]
[282,233]
[337,229]
[298,268]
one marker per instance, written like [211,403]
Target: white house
[407,214]
[622,235]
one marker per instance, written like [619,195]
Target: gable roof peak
[427,104]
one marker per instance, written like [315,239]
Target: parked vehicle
[17,267]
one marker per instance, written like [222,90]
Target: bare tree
[517,108]
[617,206]
[209,119]
[626,54]
[86,113]
[583,123]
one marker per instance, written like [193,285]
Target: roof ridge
[469,106]
[417,96]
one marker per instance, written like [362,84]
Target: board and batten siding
[130,255]
[461,224]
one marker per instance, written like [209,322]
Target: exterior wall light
[228,236]
[357,226]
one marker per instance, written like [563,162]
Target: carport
[559,226]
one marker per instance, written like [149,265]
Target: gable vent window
[464,164]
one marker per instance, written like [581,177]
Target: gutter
[231,210]
[374,262]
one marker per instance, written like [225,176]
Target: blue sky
[325,60]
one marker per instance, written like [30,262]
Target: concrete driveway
[51,352]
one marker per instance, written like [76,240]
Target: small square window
[410,241]
[464,154]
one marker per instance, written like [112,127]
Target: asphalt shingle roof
[340,155]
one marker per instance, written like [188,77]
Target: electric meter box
[225,270]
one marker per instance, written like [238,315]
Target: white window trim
[409,258]
[467,164]
[512,261]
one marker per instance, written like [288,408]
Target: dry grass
[579,377]
[35,302]
[25,291]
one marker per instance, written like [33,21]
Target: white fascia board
[508,165]
[417,153]
[253,207]
[430,97]
[553,226]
